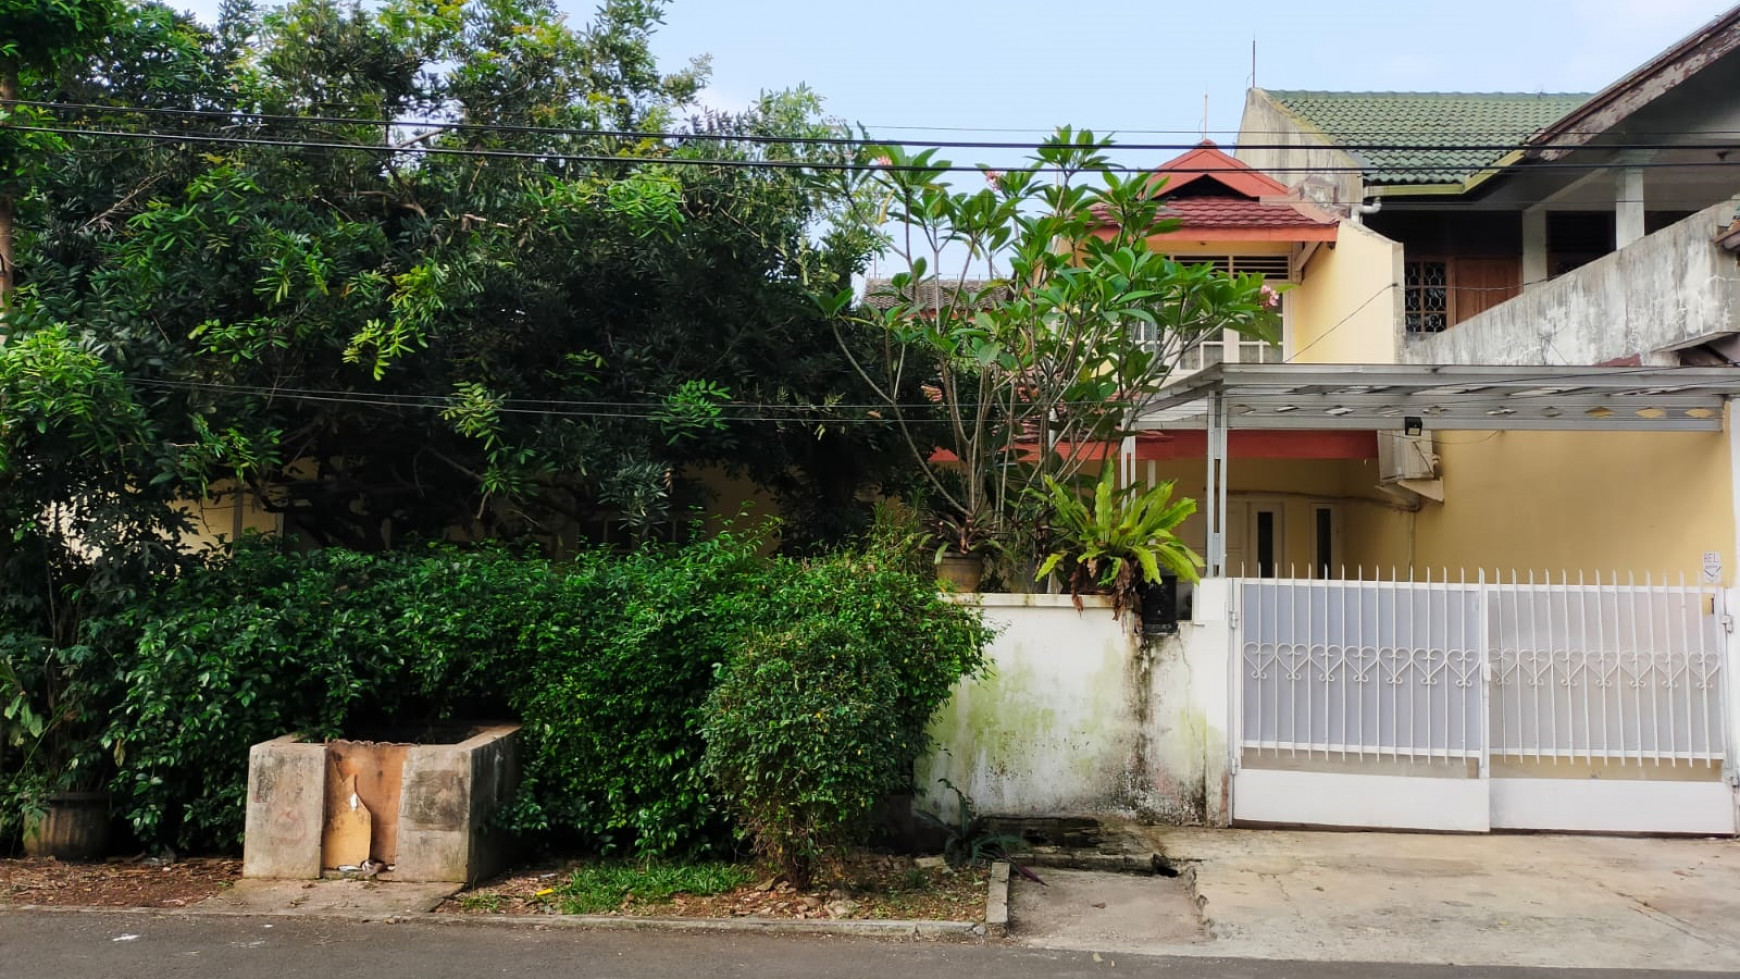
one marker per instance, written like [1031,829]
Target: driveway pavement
[1545,901]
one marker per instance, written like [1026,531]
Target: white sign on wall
[1712,567]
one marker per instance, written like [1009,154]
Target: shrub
[270,642]
[816,723]
[609,682]
[607,661]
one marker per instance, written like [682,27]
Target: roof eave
[1667,71]
[1466,185]
[1294,234]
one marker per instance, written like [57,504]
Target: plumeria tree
[1042,365]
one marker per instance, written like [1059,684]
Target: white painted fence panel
[1347,669]
[1606,672]
[1437,680]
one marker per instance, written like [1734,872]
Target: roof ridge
[1367,93]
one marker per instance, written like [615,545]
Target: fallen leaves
[133,883]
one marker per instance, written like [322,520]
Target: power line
[820,165]
[1517,140]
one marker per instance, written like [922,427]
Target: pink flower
[882,161]
[994,177]
[1270,297]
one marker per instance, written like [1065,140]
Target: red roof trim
[1207,161]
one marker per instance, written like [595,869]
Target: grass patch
[481,902]
[609,887]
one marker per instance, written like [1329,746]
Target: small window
[1205,354]
[1427,296]
[1324,544]
[1259,352]
[1266,543]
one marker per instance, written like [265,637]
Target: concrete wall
[1329,175]
[1348,307]
[447,795]
[1670,289]
[1078,717]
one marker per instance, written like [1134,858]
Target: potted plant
[960,557]
[51,723]
[1126,539]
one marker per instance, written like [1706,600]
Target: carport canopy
[1420,398]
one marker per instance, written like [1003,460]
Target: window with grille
[1275,267]
[1426,296]
[1228,346]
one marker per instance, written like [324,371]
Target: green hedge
[607,660]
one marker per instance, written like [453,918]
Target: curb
[1117,863]
[861,927]
[995,923]
[997,901]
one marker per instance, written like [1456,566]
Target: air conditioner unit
[1402,456]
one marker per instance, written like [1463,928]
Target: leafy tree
[39,35]
[508,312]
[1062,348]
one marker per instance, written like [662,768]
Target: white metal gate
[1475,705]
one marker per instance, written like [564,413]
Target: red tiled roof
[1238,212]
[1207,161]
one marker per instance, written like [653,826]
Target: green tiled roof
[1426,119]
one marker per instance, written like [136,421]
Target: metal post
[1215,490]
[1483,647]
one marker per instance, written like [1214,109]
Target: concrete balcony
[1663,293]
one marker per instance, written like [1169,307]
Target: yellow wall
[1347,309]
[1296,486]
[214,518]
[1572,502]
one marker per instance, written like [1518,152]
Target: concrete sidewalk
[1545,901]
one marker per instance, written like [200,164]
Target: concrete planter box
[430,804]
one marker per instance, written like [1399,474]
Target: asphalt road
[97,946]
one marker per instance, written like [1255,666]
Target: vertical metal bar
[1687,621]
[1583,643]
[1293,684]
[1347,633]
[1703,673]
[1225,471]
[1553,658]
[1395,652]
[1214,525]
[1483,645]
[1724,663]
[1601,662]
[1654,692]
[1534,657]
[1310,659]
[1427,687]
[1636,681]
[1274,600]
[1673,714]
[1235,693]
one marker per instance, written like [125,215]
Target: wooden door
[1482,283]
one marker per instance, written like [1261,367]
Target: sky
[1131,66]
[1141,64]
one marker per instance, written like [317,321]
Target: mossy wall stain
[1075,718]
[1056,727]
